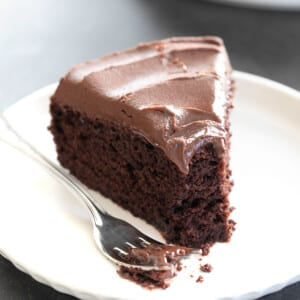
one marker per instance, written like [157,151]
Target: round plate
[271,4]
[45,231]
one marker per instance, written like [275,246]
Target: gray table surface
[41,40]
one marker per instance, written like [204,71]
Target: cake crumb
[207,268]
[231,209]
[179,267]
[200,279]
[205,249]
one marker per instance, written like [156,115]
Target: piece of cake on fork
[149,128]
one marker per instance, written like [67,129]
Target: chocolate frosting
[173,92]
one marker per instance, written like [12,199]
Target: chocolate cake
[149,129]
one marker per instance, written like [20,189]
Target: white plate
[272,4]
[46,232]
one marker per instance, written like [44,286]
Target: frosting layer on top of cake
[173,92]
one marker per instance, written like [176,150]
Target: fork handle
[12,138]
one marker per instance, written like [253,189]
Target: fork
[114,237]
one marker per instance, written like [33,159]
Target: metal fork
[114,237]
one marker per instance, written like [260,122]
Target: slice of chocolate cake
[148,128]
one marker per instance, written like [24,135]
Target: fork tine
[144,242]
[148,240]
[121,252]
[141,242]
[130,245]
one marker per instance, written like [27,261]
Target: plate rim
[292,5]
